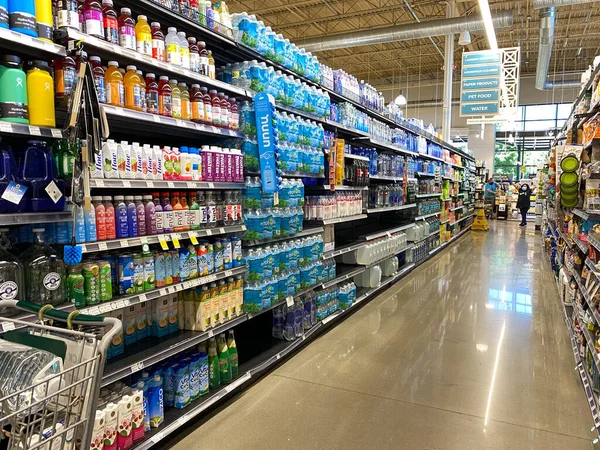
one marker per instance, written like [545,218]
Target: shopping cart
[489,205]
[58,411]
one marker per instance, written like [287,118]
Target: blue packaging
[195,370]
[21,16]
[210,257]
[169,387]
[182,385]
[227,254]
[155,401]
[218,252]
[168,268]
[175,270]
[236,249]
[125,274]
[253,297]
[203,375]
[267,293]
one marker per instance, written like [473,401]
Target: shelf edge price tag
[56,133]
[34,131]
[137,367]
[175,238]
[123,243]
[210,333]
[102,246]
[289,300]
[7,326]
[126,184]
[6,127]
[170,184]
[99,183]
[142,297]
[193,238]
[163,243]
[150,184]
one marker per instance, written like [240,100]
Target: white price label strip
[150,184]
[56,133]
[102,246]
[7,326]
[142,297]
[34,131]
[137,367]
[289,300]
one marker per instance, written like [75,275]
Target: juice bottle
[224,110]
[94,20]
[113,80]
[164,97]
[98,71]
[132,82]
[109,217]
[143,36]
[150,215]
[40,95]
[111,22]
[158,42]
[64,78]
[175,99]
[172,47]
[126,29]
[234,115]
[208,114]
[176,159]
[215,102]
[194,55]
[151,94]
[178,213]
[140,209]
[184,50]
[197,104]
[67,15]
[186,211]
[168,216]
[203,54]
[186,107]
[212,73]
[194,216]
[186,164]
[142,90]
[100,210]
[158,210]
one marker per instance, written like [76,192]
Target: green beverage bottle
[233,355]
[214,380]
[194,212]
[13,90]
[224,361]
[75,283]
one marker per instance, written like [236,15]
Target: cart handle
[63,316]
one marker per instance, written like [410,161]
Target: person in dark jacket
[524,202]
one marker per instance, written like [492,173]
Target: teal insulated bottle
[13,90]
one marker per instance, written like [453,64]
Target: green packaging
[104,281]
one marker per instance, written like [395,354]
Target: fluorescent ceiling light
[484,8]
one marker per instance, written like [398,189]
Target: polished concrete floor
[470,351]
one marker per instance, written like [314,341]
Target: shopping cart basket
[58,411]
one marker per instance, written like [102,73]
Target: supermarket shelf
[305,232]
[127,120]
[444,221]
[584,293]
[593,239]
[298,112]
[438,248]
[288,174]
[22,44]
[340,219]
[29,130]
[115,183]
[427,216]
[128,300]
[390,208]
[435,194]
[457,208]
[446,199]
[346,129]
[461,219]
[340,251]
[447,178]
[117,244]
[357,157]
[327,187]
[152,350]
[29,218]
[583,246]
[592,267]
[590,344]
[565,238]
[585,215]
[109,51]
[345,275]
[385,178]
[249,371]
[388,232]
[424,174]
[6,325]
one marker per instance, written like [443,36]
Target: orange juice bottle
[186,106]
[133,89]
[178,213]
[113,81]
[175,99]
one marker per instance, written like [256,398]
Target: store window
[521,146]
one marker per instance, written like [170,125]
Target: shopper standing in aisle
[524,202]
[491,189]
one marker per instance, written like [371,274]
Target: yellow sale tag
[175,239]
[163,243]
[194,240]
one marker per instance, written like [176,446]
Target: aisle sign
[480,83]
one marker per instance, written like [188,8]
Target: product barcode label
[163,243]
[170,184]
[289,300]
[123,243]
[56,133]
[142,297]
[6,127]
[162,292]
[34,131]
[126,184]
[150,184]
[99,183]
[144,240]
[136,368]
[7,326]
[102,246]
[228,273]
[193,238]
[191,184]
[221,230]
[209,232]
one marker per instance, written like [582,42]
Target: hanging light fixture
[464,38]
[511,139]
[401,99]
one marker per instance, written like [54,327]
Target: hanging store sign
[263,111]
[490,85]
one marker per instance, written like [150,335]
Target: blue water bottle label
[3,17]
[14,192]
[23,22]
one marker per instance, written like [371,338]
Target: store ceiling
[402,63]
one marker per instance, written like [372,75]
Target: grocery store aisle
[470,351]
